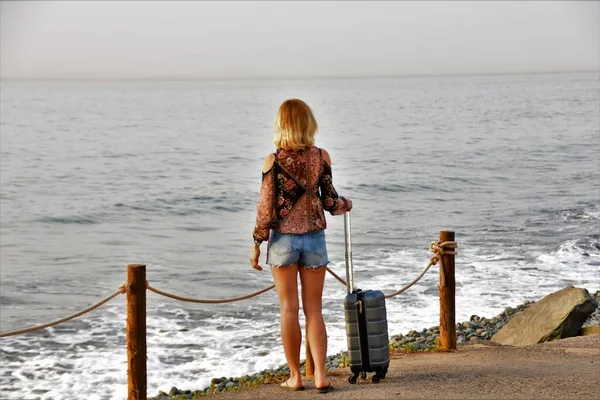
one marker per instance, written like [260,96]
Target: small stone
[174,391]
[230,384]
[466,324]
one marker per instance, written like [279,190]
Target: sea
[96,175]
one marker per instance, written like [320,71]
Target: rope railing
[221,301]
[437,248]
[439,252]
[216,301]
[343,282]
[122,289]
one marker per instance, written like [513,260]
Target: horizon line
[304,77]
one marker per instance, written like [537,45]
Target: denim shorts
[306,250]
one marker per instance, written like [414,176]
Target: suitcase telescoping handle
[348,253]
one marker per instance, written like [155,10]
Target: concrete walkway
[563,369]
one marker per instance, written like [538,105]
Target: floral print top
[294,194]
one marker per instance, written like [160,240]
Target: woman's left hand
[254,256]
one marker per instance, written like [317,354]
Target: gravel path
[564,369]
[411,353]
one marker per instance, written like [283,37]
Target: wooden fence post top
[136,265]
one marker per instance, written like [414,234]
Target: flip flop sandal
[325,389]
[286,386]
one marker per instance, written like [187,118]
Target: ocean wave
[190,204]
[197,228]
[119,155]
[586,247]
[578,215]
[75,219]
[395,188]
[581,214]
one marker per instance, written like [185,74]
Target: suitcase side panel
[352,331]
[377,329]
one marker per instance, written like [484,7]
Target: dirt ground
[563,369]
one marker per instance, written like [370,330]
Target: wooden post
[309,370]
[136,332]
[447,341]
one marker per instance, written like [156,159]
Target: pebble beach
[476,330]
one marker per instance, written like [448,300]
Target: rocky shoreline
[477,329]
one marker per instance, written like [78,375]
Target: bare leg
[286,283]
[312,293]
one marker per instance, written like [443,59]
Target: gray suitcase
[366,323]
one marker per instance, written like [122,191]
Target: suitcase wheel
[376,378]
[353,378]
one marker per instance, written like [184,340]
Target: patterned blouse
[294,193]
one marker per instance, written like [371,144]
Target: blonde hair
[295,126]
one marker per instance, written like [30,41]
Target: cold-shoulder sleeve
[333,203]
[266,206]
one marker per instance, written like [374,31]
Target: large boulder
[556,316]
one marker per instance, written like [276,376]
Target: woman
[296,189]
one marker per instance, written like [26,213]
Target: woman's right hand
[349,202]
[343,206]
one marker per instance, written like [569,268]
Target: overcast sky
[199,39]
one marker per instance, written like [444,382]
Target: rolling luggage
[366,323]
